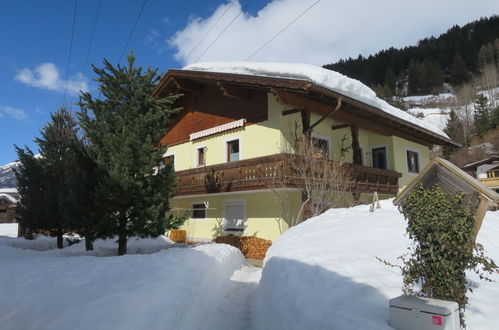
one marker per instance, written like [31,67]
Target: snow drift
[175,288]
[323,273]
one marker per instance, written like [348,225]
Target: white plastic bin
[417,313]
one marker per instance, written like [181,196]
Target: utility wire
[284,29]
[133,29]
[92,36]
[220,34]
[70,51]
[209,30]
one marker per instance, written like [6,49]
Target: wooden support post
[357,157]
[480,213]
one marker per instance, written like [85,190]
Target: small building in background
[8,205]
[486,171]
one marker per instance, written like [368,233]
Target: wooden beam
[300,102]
[335,127]
[480,213]
[291,111]
[233,91]
[327,114]
[187,86]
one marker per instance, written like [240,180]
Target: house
[8,204]
[238,118]
[486,171]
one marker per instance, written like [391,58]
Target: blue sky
[35,37]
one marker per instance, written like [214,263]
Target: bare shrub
[323,183]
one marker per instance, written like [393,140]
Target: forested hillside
[451,58]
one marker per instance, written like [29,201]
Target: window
[321,146]
[379,158]
[201,156]
[412,162]
[170,160]
[233,151]
[198,211]
[234,215]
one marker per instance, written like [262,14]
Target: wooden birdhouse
[452,180]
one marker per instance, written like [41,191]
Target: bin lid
[428,305]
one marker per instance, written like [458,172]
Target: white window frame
[327,138]
[196,155]
[191,206]
[168,154]
[362,155]
[228,202]
[407,164]
[226,146]
[387,150]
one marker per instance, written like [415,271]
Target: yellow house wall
[400,147]
[262,211]
[262,139]
[275,135]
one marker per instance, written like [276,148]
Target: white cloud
[328,32]
[47,76]
[13,113]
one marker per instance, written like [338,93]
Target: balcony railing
[265,172]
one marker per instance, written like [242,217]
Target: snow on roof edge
[329,79]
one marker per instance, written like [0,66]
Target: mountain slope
[7,176]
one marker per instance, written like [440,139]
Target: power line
[92,36]
[133,29]
[284,29]
[70,50]
[220,34]
[209,30]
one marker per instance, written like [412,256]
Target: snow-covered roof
[329,79]
[9,198]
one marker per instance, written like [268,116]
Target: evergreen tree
[123,129]
[458,71]
[390,79]
[415,77]
[57,144]
[42,182]
[483,120]
[31,183]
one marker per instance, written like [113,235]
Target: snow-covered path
[235,308]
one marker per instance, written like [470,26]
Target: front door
[235,219]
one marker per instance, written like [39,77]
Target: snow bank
[326,78]
[323,273]
[176,288]
[102,247]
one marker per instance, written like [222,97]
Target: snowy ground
[207,286]
[323,274]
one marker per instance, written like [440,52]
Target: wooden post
[357,159]
[480,213]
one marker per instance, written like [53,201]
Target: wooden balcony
[264,172]
[490,182]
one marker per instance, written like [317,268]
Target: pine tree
[483,120]
[42,182]
[123,130]
[31,183]
[458,71]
